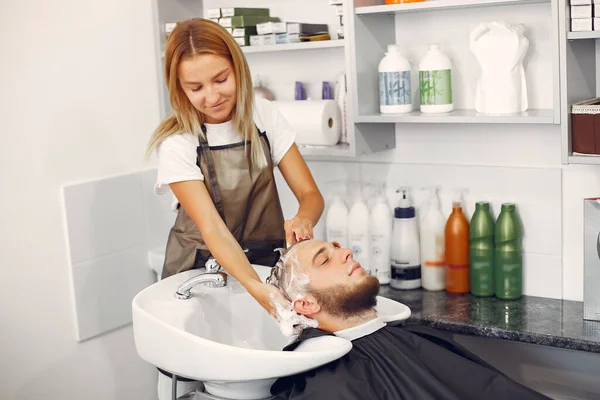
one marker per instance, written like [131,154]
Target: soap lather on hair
[286,276]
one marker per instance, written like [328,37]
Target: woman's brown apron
[246,199]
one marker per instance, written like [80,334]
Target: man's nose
[346,255]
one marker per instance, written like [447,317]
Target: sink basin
[224,338]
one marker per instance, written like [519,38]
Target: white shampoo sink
[224,338]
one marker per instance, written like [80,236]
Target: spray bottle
[358,231]
[406,252]
[381,225]
[457,248]
[433,244]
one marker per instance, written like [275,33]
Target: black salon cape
[396,363]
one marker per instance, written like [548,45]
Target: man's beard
[345,301]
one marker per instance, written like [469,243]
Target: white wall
[79,100]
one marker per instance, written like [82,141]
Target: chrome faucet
[213,276]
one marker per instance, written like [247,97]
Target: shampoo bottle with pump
[432,245]
[381,238]
[336,222]
[457,249]
[406,251]
[358,231]
[481,251]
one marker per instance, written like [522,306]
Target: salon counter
[537,320]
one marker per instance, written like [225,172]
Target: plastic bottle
[394,83]
[340,98]
[406,251]
[457,249]
[358,231]
[262,91]
[336,222]
[326,91]
[508,256]
[435,81]
[433,244]
[481,251]
[381,225]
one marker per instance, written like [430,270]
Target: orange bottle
[457,250]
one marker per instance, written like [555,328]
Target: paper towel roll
[315,122]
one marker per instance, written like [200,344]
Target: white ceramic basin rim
[224,335]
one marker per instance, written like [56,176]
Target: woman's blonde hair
[200,36]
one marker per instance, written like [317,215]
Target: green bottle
[481,251]
[508,260]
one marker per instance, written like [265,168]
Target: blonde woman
[216,153]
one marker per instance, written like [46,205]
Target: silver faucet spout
[211,279]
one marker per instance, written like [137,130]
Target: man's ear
[307,306]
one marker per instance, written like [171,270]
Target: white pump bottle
[336,224]
[433,245]
[406,251]
[358,231]
[381,223]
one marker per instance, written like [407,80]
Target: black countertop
[538,320]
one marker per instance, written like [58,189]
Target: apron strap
[212,176]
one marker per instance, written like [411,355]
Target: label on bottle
[394,88]
[482,277]
[337,235]
[380,260]
[458,266]
[510,282]
[435,87]
[360,246]
[406,273]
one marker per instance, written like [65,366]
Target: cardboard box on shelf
[245,11]
[581,25]
[213,13]
[581,11]
[243,21]
[267,28]
[585,126]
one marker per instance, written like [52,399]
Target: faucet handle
[212,265]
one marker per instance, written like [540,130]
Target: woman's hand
[268,296]
[289,321]
[297,229]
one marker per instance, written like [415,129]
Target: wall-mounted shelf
[438,5]
[340,150]
[374,26]
[461,117]
[594,160]
[583,35]
[323,44]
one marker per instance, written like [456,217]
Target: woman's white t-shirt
[177,154]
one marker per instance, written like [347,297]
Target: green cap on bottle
[482,205]
[508,207]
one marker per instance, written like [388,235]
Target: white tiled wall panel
[104,288]
[106,232]
[104,216]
